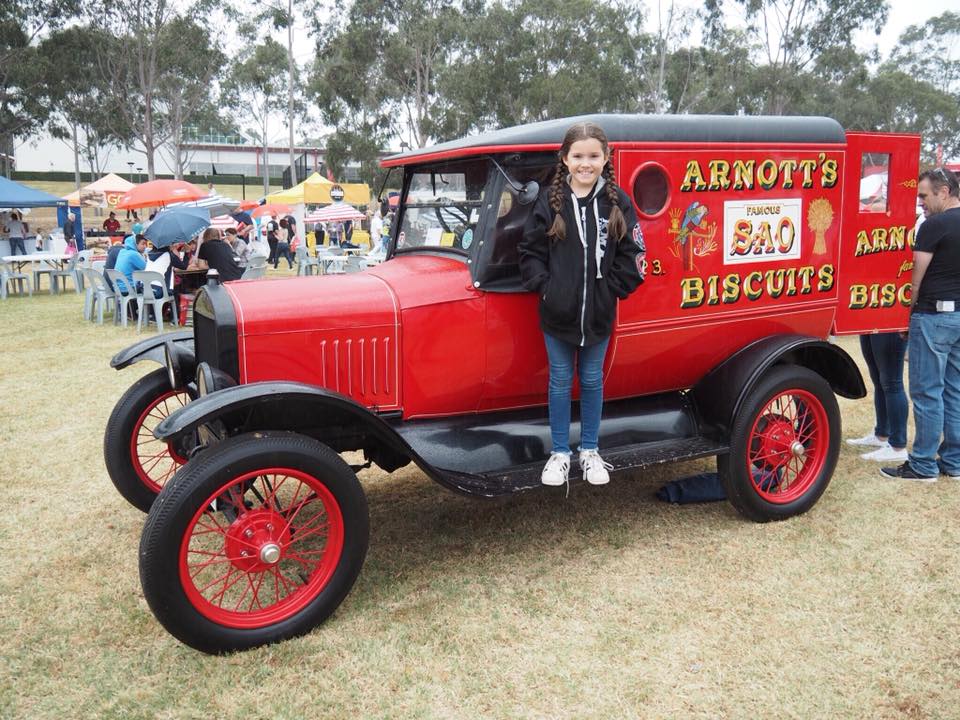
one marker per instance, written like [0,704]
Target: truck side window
[874,178]
[651,190]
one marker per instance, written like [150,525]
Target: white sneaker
[886,453]
[557,470]
[594,468]
[869,440]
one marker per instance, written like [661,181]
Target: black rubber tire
[732,467]
[204,475]
[121,427]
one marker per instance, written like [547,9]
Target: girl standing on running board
[582,251]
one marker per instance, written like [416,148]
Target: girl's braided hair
[617,226]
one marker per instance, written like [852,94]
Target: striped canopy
[333,213]
[222,222]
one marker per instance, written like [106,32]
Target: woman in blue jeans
[884,353]
[582,251]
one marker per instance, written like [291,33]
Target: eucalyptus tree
[253,88]
[80,96]
[791,34]
[161,67]
[24,69]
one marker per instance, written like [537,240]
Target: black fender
[181,348]
[330,417]
[721,393]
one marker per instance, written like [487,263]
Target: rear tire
[257,540]
[138,464]
[784,445]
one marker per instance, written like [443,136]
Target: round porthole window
[651,189]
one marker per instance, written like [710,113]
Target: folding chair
[70,271]
[101,295]
[146,281]
[9,275]
[123,294]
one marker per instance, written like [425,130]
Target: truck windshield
[442,205]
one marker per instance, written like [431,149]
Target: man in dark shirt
[934,345]
[219,256]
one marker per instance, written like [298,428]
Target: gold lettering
[825,278]
[719,175]
[691,292]
[805,274]
[829,173]
[858,297]
[863,244]
[786,170]
[731,288]
[693,179]
[767,174]
[897,237]
[743,174]
[751,285]
[807,167]
[774,283]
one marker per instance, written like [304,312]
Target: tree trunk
[76,157]
[290,66]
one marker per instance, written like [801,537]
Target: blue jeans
[884,355]
[561,356]
[16,243]
[935,391]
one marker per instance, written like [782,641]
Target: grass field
[605,604]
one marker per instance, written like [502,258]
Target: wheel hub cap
[255,540]
[270,553]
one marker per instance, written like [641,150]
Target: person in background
[131,257]
[934,335]
[319,233]
[70,227]
[283,246]
[273,238]
[215,253]
[111,224]
[291,231]
[239,246]
[884,354]
[114,252]
[334,229]
[16,231]
[348,232]
[376,226]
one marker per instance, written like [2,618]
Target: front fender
[721,393]
[296,407]
[180,341]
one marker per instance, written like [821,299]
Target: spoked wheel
[140,465]
[257,540]
[784,445]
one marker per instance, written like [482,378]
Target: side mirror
[528,193]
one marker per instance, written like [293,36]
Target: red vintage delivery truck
[764,235]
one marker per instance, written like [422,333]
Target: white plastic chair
[40,269]
[70,271]
[354,264]
[146,281]
[305,263]
[123,294]
[9,275]
[101,295]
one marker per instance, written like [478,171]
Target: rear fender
[722,392]
[334,419]
[181,348]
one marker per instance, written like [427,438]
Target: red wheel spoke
[296,512]
[255,598]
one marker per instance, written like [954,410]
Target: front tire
[784,445]
[257,540]
[138,464]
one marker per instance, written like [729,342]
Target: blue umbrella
[176,225]
[242,217]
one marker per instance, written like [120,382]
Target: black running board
[623,459]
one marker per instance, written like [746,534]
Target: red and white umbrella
[222,222]
[333,213]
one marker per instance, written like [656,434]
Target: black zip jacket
[578,304]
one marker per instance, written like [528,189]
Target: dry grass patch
[607,604]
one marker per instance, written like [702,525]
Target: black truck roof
[645,128]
